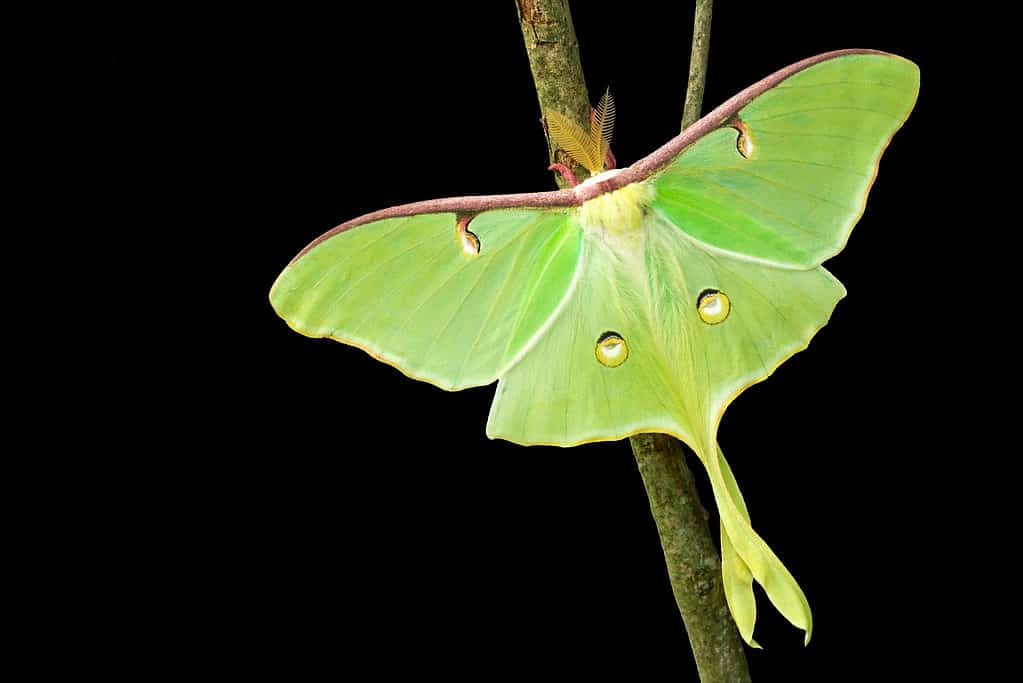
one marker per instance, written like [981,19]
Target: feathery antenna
[602,123]
[588,149]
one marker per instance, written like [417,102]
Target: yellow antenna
[602,124]
[587,149]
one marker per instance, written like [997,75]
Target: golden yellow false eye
[612,350]
[713,306]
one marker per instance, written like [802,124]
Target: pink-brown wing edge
[638,171]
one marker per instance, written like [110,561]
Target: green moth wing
[785,178]
[643,300]
[679,368]
[683,364]
[444,304]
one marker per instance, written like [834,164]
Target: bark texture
[553,50]
[694,562]
[698,63]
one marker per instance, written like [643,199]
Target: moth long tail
[745,557]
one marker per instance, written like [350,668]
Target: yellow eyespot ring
[611,350]
[713,306]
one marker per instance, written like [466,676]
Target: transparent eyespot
[745,143]
[470,242]
[611,349]
[713,306]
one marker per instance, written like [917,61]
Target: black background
[331,515]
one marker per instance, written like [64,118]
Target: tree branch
[553,50]
[697,63]
[694,564]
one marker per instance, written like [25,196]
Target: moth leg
[565,172]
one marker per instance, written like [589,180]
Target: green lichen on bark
[553,51]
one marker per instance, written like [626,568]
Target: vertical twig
[694,563]
[698,63]
[549,36]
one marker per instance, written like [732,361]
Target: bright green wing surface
[406,291]
[680,370]
[680,373]
[593,317]
[813,142]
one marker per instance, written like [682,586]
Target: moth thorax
[620,211]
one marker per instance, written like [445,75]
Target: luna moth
[644,299]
